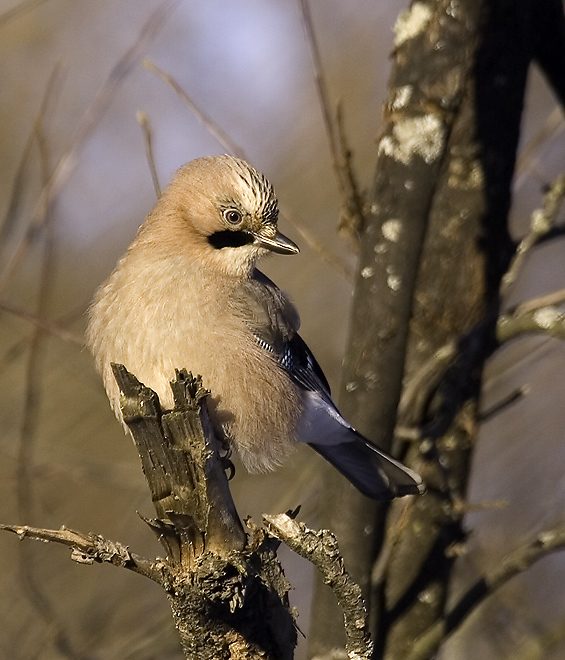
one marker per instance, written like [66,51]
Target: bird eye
[232,216]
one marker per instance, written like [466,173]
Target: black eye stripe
[223,239]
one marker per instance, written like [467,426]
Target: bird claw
[228,465]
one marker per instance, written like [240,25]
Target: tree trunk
[433,251]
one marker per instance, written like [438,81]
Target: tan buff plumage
[162,308]
[187,295]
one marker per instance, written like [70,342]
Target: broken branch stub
[182,466]
[227,590]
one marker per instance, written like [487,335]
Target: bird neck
[167,270]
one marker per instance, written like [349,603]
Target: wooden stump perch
[228,592]
[181,463]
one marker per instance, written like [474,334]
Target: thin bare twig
[55,327]
[394,532]
[14,206]
[326,255]
[28,432]
[44,324]
[503,404]
[552,126]
[513,564]
[320,548]
[321,89]
[417,391]
[35,355]
[546,320]
[209,124]
[541,223]
[148,141]
[553,298]
[231,147]
[19,9]
[89,122]
[352,214]
[91,548]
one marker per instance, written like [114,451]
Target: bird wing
[298,361]
[274,323]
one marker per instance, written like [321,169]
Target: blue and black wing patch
[297,360]
[274,323]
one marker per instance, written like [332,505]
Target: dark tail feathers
[373,472]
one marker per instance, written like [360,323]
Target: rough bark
[322,550]
[425,90]
[467,250]
[433,251]
[227,591]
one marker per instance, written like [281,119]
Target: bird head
[223,211]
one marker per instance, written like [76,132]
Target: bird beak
[278,243]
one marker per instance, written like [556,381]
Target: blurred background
[69,105]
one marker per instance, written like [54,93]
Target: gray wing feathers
[269,314]
[274,322]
